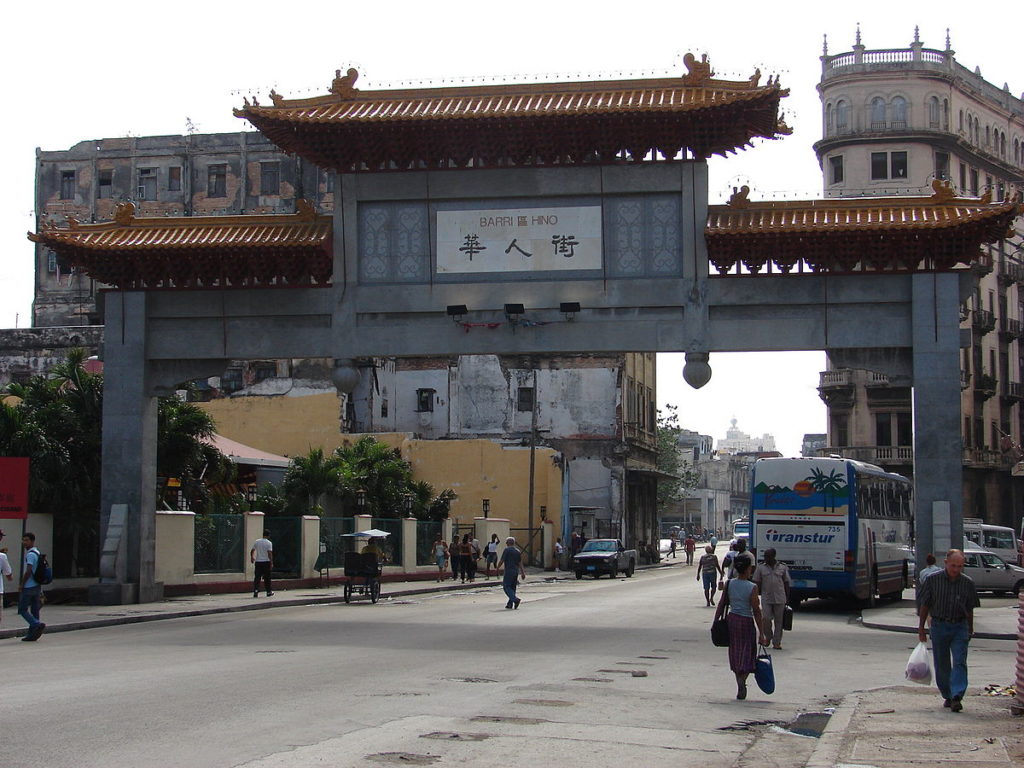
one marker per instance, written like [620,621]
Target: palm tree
[312,476]
[830,484]
[378,470]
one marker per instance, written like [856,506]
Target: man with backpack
[31,590]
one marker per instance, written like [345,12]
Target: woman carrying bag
[745,628]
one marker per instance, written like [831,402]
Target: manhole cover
[449,736]
[402,758]
[543,702]
[512,720]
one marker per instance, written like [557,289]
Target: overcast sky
[76,71]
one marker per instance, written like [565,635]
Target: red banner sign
[13,488]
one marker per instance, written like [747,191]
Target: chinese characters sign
[13,488]
[519,240]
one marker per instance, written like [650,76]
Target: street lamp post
[361,501]
[250,496]
[408,505]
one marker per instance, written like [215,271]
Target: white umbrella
[370,534]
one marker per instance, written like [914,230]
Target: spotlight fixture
[455,311]
[514,310]
[569,309]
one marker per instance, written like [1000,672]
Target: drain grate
[449,736]
[403,758]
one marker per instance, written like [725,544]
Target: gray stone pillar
[938,454]
[129,454]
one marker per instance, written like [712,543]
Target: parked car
[604,556]
[990,573]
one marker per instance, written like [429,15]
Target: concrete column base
[113,593]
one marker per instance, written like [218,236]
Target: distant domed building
[737,441]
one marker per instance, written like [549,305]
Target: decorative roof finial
[824,45]
[948,44]
[917,34]
[858,33]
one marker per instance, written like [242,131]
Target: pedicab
[363,569]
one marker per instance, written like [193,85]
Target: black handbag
[720,627]
[787,618]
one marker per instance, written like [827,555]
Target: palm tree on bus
[831,483]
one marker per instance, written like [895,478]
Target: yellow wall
[287,426]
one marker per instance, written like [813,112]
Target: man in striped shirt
[949,598]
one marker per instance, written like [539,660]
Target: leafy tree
[381,471]
[312,477]
[184,451]
[670,461]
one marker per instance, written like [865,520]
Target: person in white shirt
[262,555]
[6,574]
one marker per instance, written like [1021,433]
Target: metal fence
[219,544]
[334,541]
[286,535]
[427,531]
[392,544]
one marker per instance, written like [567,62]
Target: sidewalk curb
[913,631]
[141,618]
[827,751]
[72,626]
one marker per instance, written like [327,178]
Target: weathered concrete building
[894,122]
[597,411]
[27,352]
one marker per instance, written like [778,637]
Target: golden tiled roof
[522,124]
[191,251]
[855,234]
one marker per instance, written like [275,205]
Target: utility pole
[533,457]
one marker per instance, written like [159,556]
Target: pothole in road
[511,720]
[403,758]
[469,680]
[749,725]
[449,736]
[544,702]
[593,680]
[810,724]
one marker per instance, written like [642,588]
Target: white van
[995,538]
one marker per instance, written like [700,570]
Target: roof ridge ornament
[740,197]
[345,87]
[304,210]
[699,71]
[124,213]
[943,190]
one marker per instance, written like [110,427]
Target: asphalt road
[449,679]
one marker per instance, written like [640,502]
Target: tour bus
[843,527]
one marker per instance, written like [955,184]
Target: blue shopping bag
[764,674]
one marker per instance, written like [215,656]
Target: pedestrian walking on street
[466,555]
[949,599]
[455,555]
[690,545]
[262,556]
[671,547]
[772,579]
[713,541]
[491,554]
[440,555]
[6,574]
[559,551]
[512,563]
[30,596]
[745,627]
[709,570]
[928,570]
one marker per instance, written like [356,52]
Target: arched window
[878,113]
[933,113]
[842,115]
[899,112]
[829,125]
[988,136]
[1002,145]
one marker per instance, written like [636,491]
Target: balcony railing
[982,264]
[872,454]
[985,385]
[983,320]
[1013,391]
[1009,328]
[839,378]
[983,457]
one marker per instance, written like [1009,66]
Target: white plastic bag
[919,665]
